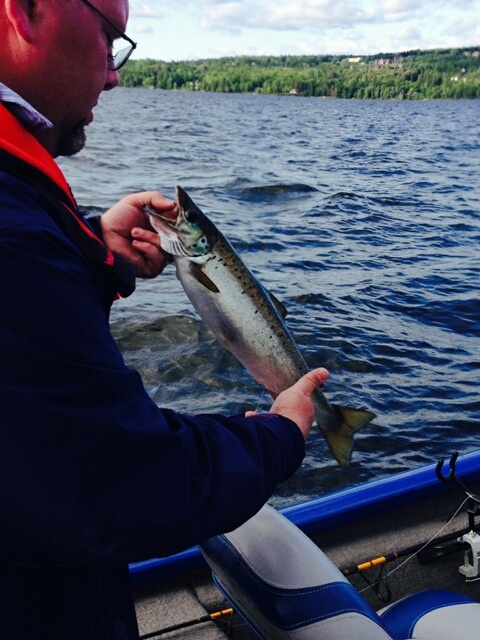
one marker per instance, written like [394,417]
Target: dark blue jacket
[93,475]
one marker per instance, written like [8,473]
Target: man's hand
[296,401]
[126,229]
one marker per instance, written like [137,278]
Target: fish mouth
[167,224]
[166,228]
[162,221]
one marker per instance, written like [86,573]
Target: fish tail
[345,422]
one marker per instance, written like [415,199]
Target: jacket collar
[15,139]
[21,154]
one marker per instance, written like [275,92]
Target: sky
[195,29]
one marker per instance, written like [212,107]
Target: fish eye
[191,216]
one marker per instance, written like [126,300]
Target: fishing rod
[425,551]
[436,547]
[209,617]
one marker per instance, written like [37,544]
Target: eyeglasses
[119,58]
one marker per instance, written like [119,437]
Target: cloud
[145,10]
[467,25]
[400,10]
[209,28]
[278,15]
[143,29]
[312,15]
[141,12]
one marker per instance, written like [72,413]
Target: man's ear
[22,16]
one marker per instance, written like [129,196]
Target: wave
[270,191]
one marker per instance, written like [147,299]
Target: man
[93,475]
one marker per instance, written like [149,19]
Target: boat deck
[178,602]
[193,595]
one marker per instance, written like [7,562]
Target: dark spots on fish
[202,245]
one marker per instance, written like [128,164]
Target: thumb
[296,401]
[311,381]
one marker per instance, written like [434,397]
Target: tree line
[440,73]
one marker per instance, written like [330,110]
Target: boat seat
[285,587]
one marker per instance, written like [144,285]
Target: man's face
[78,68]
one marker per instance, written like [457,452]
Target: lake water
[362,217]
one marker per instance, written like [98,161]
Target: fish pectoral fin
[201,277]
[339,433]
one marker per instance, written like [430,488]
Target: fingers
[145,236]
[150,262]
[126,229]
[152,198]
[153,259]
[155,200]
[146,241]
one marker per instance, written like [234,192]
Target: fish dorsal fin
[279,306]
[201,277]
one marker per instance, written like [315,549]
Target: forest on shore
[439,73]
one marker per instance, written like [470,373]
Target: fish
[246,318]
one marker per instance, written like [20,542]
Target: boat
[395,548]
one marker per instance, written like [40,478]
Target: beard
[72,141]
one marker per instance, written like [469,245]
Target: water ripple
[362,217]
